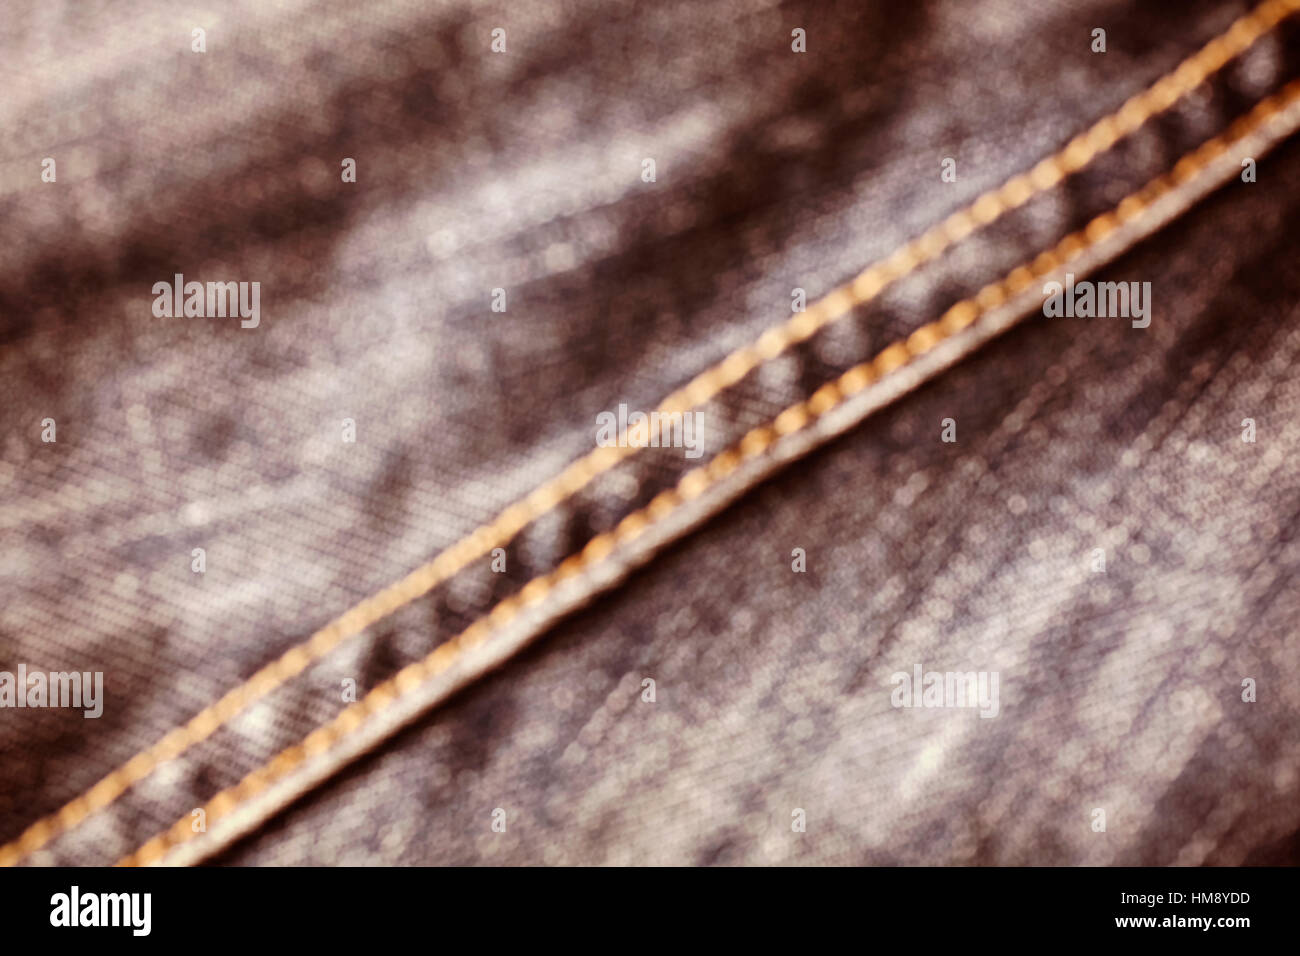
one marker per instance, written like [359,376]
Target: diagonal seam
[694,483]
[986,209]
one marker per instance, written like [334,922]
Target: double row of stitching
[694,483]
[986,209]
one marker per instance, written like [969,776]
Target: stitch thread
[500,531]
[695,482]
[932,243]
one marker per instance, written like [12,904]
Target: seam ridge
[792,420]
[985,209]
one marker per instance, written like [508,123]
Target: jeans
[365,587]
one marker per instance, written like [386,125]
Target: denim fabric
[523,171]
[1120,690]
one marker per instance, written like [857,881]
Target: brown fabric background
[521,171]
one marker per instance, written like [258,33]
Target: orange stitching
[700,479]
[865,286]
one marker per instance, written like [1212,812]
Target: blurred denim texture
[521,171]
